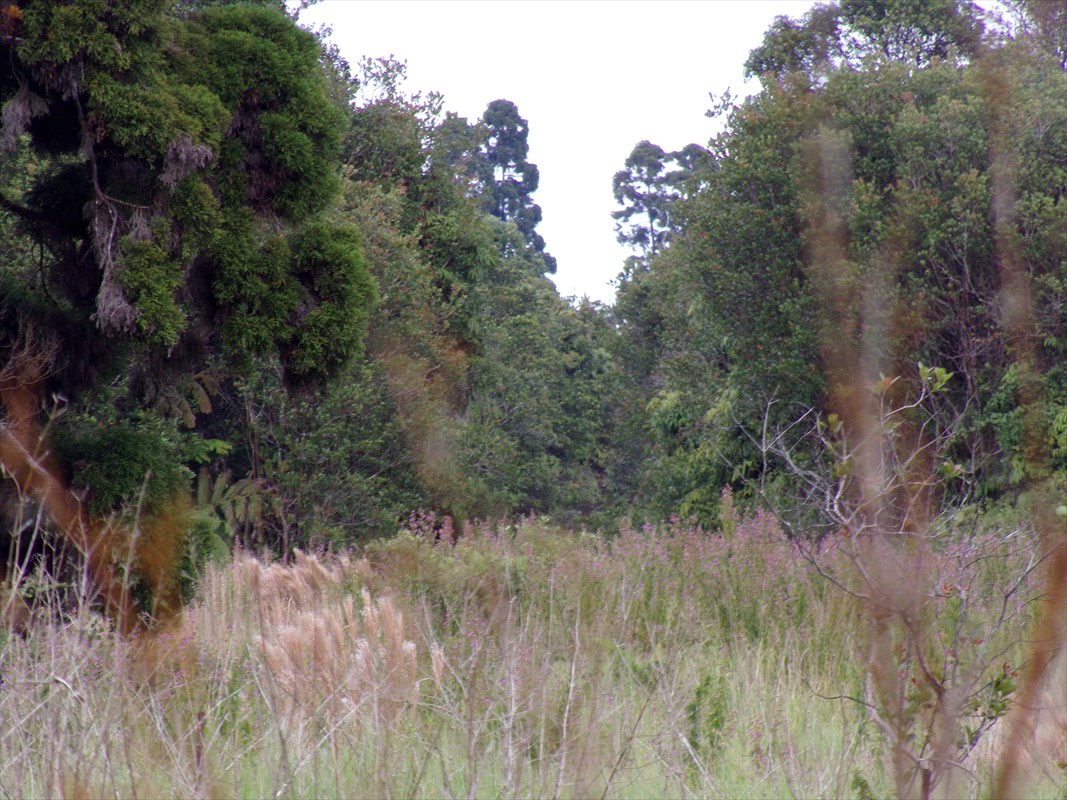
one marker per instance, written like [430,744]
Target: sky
[591,77]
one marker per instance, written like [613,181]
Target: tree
[496,380]
[649,188]
[180,169]
[913,30]
[507,178]
[807,46]
[1041,25]
[733,313]
[859,321]
[641,188]
[388,130]
[199,147]
[848,33]
[536,416]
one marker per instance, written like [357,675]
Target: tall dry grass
[522,662]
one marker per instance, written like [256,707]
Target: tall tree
[643,192]
[648,189]
[169,173]
[914,31]
[849,32]
[202,150]
[507,178]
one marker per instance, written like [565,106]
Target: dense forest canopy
[878,134]
[252,286]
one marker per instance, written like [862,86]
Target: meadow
[526,661]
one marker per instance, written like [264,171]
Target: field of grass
[522,661]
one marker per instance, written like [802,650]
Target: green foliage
[736,321]
[807,46]
[329,260]
[58,33]
[908,30]
[536,421]
[254,285]
[857,34]
[138,461]
[648,189]
[707,714]
[460,244]
[194,212]
[347,465]
[145,121]
[150,279]
[508,179]
[170,164]
[862,788]
[209,541]
[255,211]
[385,144]
[202,129]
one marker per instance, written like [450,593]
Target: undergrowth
[522,661]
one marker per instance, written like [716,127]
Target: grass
[521,662]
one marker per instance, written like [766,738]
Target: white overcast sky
[592,78]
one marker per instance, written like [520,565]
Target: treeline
[240,269]
[251,284]
[888,213]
